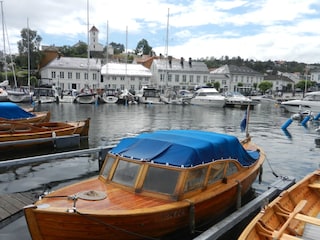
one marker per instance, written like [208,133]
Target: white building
[233,78]
[179,74]
[122,76]
[72,73]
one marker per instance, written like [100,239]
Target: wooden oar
[295,211]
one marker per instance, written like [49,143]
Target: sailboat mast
[88,42]
[4,43]
[28,36]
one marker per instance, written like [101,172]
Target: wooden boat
[14,113]
[293,215]
[151,186]
[13,131]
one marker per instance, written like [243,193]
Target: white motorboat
[45,94]
[110,96]
[150,96]
[209,97]
[310,102]
[68,96]
[87,96]
[237,100]
[171,96]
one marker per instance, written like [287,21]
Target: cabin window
[232,168]
[166,184]
[107,166]
[216,172]
[126,173]
[195,179]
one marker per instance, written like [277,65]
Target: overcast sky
[254,29]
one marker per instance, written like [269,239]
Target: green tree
[143,48]
[303,84]
[30,41]
[216,85]
[264,86]
[117,48]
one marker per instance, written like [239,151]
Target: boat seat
[314,185]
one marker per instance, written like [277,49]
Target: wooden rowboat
[150,186]
[17,132]
[14,113]
[294,215]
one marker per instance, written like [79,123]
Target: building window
[191,78]
[61,75]
[176,78]
[205,78]
[53,74]
[198,79]
[161,77]
[94,76]
[69,75]
[132,78]
[169,77]
[122,78]
[86,76]
[114,78]
[184,78]
[77,75]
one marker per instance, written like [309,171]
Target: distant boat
[87,96]
[208,97]
[171,96]
[237,100]
[293,215]
[149,95]
[110,96]
[19,95]
[150,187]
[45,94]
[310,102]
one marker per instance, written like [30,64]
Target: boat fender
[191,216]
[260,174]
[317,117]
[287,123]
[305,120]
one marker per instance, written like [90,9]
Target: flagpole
[247,120]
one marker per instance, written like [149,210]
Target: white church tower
[95,46]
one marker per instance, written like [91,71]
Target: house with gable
[178,73]
[236,78]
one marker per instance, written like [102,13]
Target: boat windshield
[312,97]
[166,184]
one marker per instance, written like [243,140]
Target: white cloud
[260,29]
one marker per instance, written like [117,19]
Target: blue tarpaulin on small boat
[184,148]
[11,111]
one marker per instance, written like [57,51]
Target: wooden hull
[18,132]
[127,215]
[38,118]
[291,215]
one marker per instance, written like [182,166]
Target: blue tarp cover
[9,110]
[184,148]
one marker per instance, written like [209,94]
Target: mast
[166,51]
[107,51]
[28,54]
[88,42]
[4,43]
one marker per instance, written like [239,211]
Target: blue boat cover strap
[184,148]
[12,111]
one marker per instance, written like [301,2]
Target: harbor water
[290,152]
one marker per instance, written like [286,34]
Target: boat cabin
[175,164]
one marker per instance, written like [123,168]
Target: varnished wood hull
[126,215]
[289,215]
[38,118]
[12,135]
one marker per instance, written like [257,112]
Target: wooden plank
[11,206]
[308,219]
[289,237]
